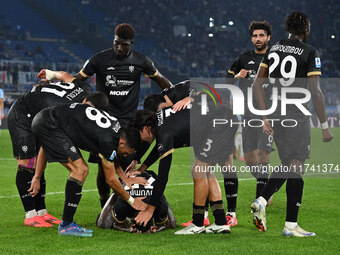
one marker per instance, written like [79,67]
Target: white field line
[92,190]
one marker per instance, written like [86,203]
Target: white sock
[206,214]
[31,214]
[232,214]
[290,225]
[263,201]
[42,212]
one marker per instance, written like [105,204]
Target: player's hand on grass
[143,217]
[132,166]
[180,105]
[35,186]
[267,129]
[138,204]
[242,74]
[327,135]
[135,180]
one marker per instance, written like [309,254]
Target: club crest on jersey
[73,149]
[113,155]
[317,63]
[131,69]
[24,148]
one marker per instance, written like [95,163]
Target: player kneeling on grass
[117,212]
[173,131]
[61,130]
[24,143]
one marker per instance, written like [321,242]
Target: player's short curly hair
[125,31]
[144,118]
[153,101]
[132,137]
[297,23]
[99,100]
[256,25]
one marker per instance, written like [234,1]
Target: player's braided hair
[125,31]
[297,23]
[256,25]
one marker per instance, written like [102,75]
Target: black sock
[262,178]
[294,190]
[198,215]
[23,182]
[39,199]
[103,188]
[218,212]
[206,208]
[231,188]
[72,198]
[275,181]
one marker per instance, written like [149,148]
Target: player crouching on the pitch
[61,130]
[173,131]
[25,149]
[117,212]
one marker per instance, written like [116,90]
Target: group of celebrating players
[52,121]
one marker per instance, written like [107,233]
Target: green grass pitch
[319,212]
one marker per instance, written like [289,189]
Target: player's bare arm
[46,74]
[40,168]
[114,183]
[262,74]
[242,74]
[319,106]
[161,81]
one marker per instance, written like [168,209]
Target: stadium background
[185,38]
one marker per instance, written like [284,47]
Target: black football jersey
[173,130]
[119,78]
[290,62]
[248,60]
[141,190]
[43,96]
[178,91]
[89,128]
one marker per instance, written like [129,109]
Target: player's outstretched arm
[46,74]
[114,183]
[129,181]
[161,81]
[39,170]
[262,74]
[319,106]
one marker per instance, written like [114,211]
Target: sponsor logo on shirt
[251,62]
[110,81]
[111,68]
[119,93]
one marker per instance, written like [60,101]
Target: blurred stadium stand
[184,38]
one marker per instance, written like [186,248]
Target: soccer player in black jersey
[61,130]
[118,72]
[24,144]
[293,68]
[116,210]
[173,131]
[256,144]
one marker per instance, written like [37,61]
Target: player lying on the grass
[173,131]
[24,144]
[117,212]
[61,130]
[299,69]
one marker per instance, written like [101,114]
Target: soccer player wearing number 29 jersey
[290,64]
[24,143]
